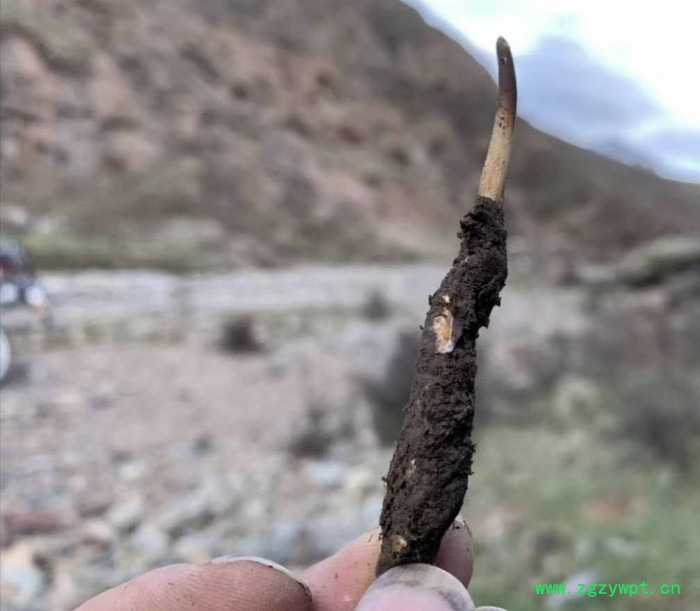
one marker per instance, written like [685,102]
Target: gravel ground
[129,440]
[119,456]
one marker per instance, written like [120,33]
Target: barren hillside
[200,133]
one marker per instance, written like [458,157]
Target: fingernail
[232,558]
[416,587]
[459,522]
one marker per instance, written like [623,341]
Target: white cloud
[652,43]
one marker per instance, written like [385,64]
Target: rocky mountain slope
[195,133]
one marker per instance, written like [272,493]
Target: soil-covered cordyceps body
[429,472]
[428,476]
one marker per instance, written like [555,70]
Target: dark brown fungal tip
[507,86]
[493,175]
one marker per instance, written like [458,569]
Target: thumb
[416,587]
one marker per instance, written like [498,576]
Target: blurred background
[233,213]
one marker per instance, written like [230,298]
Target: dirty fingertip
[456,553]
[416,587]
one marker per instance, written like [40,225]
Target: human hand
[343,582]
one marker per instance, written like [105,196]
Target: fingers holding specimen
[338,583]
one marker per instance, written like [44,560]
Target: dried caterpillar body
[429,471]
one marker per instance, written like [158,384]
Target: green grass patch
[64,252]
[571,505]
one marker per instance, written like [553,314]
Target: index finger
[235,584]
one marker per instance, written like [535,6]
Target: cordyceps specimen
[429,471]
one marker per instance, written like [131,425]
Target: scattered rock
[623,547]
[103,396]
[133,470]
[290,542]
[65,592]
[653,262]
[129,150]
[14,217]
[362,480]
[112,98]
[318,432]
[193,548]
[127,514]
[21,581]
[377,306]
[241,334]
[195,510]
[30,87]
[68,401]
[49,548]
[97,532]
[150,543]
[17,523]
[573,598]
[326,474]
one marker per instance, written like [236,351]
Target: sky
[647,50]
